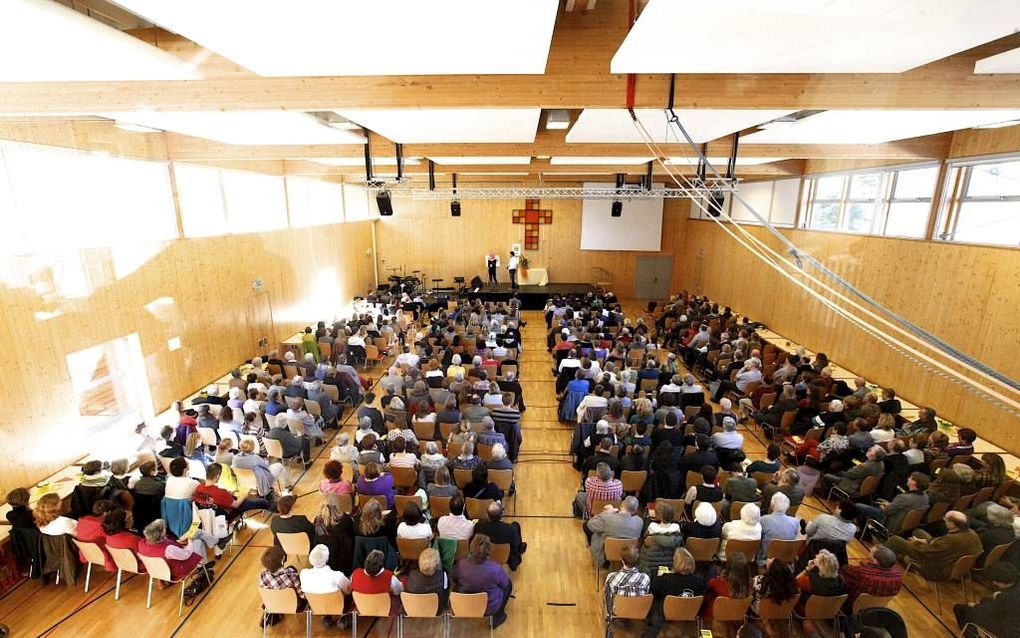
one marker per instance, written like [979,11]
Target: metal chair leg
[308,623]
[148,600]
[265,621]
[180,604]
[354,624]
[116,595]
[88,577]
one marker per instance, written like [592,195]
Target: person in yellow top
[309,344]
[455,367]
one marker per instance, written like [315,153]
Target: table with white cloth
[533,277]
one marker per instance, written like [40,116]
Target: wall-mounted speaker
[715,204]
[382,198]
[455,208]
[617,209]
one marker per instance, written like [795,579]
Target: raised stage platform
[532,297]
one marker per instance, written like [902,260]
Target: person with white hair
[311,424]
[182,559]
[691,386]
[344,452]
[750,373]
[292,445]
[747,527]
[210,395]
[296,388]
[258,370]
[455,367]
[498,460]
[729,438]
[393,381]
[326,406]
[778,525]
[320,578]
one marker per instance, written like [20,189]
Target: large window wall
[982,203]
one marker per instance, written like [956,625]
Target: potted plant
[524,266]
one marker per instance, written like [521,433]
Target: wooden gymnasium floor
[554,588]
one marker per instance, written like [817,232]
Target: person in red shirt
[115,529]
[209,494]
[734,581]
[90,530]
[373,578]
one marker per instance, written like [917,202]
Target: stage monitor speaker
[382,198]
[455,208]
[715,204]
[617,209]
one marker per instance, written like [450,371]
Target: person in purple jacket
[374,482]
[475,573]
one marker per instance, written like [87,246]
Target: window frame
[959,173]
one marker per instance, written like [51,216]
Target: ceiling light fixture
[557,119]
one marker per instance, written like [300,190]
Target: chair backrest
[963,502]
[983,495]
[598,505]
[294,543]
[963,565]
[364,499]
[867,601]
[400,501]
[787,420]
[677,504]
[746,547]
[702,549]
[411,548]
[735,508]
[693,478]
[273,448]
[156,567]
[680,609]
[484,452]
[500,553]
[996,554]
[784,550]
[439,506]
[911,520]
[633,480]
[461,476]
[614,546]
[632,607]
[208,436]
[468,605]
[762,478]
[769,610]
[503,479]
[124,559]
[937,511]
[93,553]
[313,407]
[420,605]
[245,478]
[331,604]
[730,609]
[869,485]
[279,601]
[766,400]
[477,507]
[823,607]
[404,476]
[424,430]
[296,427]
[463,547]
[372,605]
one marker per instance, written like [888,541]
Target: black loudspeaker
[617,209]
[455,208]
[715,204]
[382,198]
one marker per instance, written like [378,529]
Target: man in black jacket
[998,613]
[500,533]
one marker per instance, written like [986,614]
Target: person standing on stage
[512,267]
[492,263]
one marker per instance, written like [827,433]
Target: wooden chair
[726,609]
[461,477]
[680,609]
[865,491]
[867,601]
[411,548]
[370,606]
[439,506]
[126,561]
[470,606]
[992,557]
[693,478]
[786,551]
[908,523]
[400,501]
[158,569]
[963,502]
[363,499]
[598,505]
[633,480]
[294,543]
[936,512]
[500,553]
[983,495]
[702,549]
[424,430]
[277,601]
[477,508]
[613,547]
[745,547]
[825,608]
[94,555]
[404,477]
[769,610]
[763,479]
[961,572]
[323,605]
[677,504]
[420,606]
[628,608]
[463,548]
[484,452]
[504,480]
[735,508]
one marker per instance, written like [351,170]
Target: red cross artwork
[532,217]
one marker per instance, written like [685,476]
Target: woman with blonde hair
[885,430]
[820,578]
[48,517]
[428,577]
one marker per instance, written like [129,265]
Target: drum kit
[400,282]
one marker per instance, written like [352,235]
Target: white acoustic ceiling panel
[243,127]
[598,161]
[44,41]
[808,36]
[876,126]
[722,161]
[378,37]
[360,161]
[703,125]
[432,126]
[1005,62]
[467,160]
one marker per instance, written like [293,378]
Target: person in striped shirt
[628,581]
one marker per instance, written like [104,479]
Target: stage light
[617,210]
[455,208]
[558,119]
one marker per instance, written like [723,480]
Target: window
[986,208]
[893,202]
[217,202]
[314,202]
[109,384]
[774,200]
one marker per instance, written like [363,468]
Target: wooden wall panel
[976,142]
[422,235]
[967,295]
[194,289]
